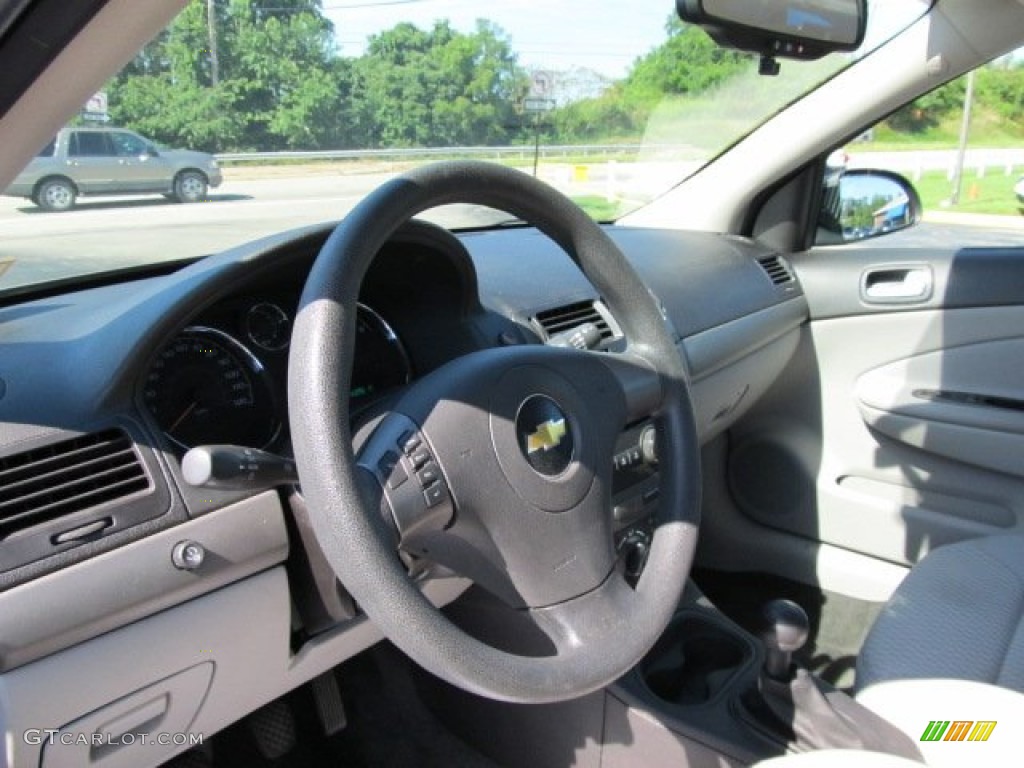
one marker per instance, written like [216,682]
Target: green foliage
[687,65]
[1002,89]
[279,83]
[689,62]
[617,113]
[929,110]
[439,87]
[998,89]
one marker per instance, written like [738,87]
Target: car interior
[706,485]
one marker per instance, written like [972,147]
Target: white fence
[913,163]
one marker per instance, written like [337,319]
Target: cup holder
[694,660]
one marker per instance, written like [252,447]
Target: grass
[992,193]
[597,207]
[988,129]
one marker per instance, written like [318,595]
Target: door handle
[897,284]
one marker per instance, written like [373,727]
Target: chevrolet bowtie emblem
[547,436]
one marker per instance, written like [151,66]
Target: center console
[635,495]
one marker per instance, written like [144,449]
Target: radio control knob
[649,446]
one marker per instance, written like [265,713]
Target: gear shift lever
[785,631]
[792,707]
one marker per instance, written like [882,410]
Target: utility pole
[211,24]
[965,129]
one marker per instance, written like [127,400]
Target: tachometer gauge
[207,388]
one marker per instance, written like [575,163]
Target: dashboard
[105,389]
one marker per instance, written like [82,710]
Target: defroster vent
[56,480]
[776,269]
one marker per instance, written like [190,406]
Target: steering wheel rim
[599,625]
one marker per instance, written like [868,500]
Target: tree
[929,110]
[279,65]
[689,62]
[441,87]
[279,83]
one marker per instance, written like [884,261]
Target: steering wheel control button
[420,457]
[409,442]
[415,499]
[429,475]
[649,446]
[545,437]
[188,555]
[435,494]
[391,470]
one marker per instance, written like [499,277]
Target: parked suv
[90,160]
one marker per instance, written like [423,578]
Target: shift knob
[784,631]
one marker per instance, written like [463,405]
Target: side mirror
[150,151]
[859,204]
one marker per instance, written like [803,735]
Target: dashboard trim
[126,584]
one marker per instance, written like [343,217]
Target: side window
[90,144]
[951,157]
[127,144]
[48,150]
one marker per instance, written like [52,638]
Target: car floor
[838,623]
[387,725]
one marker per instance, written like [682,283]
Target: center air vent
[56,480]
[565,318]
[776,269]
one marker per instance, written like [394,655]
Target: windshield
[276,114]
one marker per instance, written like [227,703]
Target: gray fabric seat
[958,614]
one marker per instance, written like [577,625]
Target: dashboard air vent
[569,316]
[776,269]
[52,481]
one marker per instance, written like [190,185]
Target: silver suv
[88,160]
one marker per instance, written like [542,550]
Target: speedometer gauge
[206,388]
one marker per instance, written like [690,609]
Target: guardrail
[524,151]
[911,162]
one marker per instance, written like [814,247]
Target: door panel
[899,426]
[139,171]
[91,161]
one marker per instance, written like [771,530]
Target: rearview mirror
[795,29]
[859,204]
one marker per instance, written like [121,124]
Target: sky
[604,35]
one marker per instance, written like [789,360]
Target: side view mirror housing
[859,204]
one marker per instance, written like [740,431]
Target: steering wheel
[497,465]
